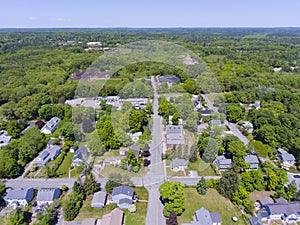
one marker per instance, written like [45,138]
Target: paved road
[232,126]
[40,183]
[156,172]
[191,180]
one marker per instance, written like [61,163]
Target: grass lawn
[139,217]
[213,202]
[63,170]
[2,220]
[255,195]
[99,159]
[113,169]
[203,169]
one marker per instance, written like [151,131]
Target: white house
[178,164]
[123,196]
[287,159]
[50,126]
[18,197]
[46,196]
[99,199]
[80,156]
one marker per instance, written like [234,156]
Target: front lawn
[213,202]
[203,169]
[63,170]
[114,169]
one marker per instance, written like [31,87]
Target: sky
[149,13]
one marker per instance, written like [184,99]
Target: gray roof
[285,155]
[99,197]
[4,138]
[51,124]
[136,150]
[125,201]
[254,221]
[266,200]
[253,160]
[282,207]
[123,190]
[48,194]
[223,163]
[178,162]
[204,217]
[168,79]
[81,153]
[16,194]
[175,134]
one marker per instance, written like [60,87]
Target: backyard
[213,202]
[203,169]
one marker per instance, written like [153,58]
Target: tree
[14,128]
[201,186]
[67,131]
[234,112]
[130,162]
[90,185]
[173,198]
[87,126]
[228,184]
[45,112]
[175,118]
[2,191]
[272,180]
[137,119]
[71,205]
[17,217]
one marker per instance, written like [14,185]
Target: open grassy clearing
[213,202]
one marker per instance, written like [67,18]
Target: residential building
[136,150]
[99,199]
[168,79]
[254,221]
[255,105]
[46,196]
[283,210]
[223,163]
[18,197]
[94,43]
[205,113]
[123,151]
[204,217]
[4,138]
[265,201]
[50,126]
[247,126]
[287,158]
[80,156]
[48,154]
[174,135]
[252,160]
[123,196]
[178,164]
[115,217]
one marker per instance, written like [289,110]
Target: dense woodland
[36,68]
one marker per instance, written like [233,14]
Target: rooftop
[178,162]
[48,194]
[123,190]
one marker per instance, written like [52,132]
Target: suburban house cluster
[281,209]
[23,196]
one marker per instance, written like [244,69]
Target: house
[18,197]
[123,151]
[46,196]
[287,158]
[138,103]
[50,153]
[93,43]
[255,105]
[136,150]
[283,210]
[178,164]
[247,126]
[80,156]
[50,126]
[223,163]
[254,221]
[4,138]
[265,201]
[205,113]
[115,217]
[252,160]
[168,79]
[123,196]
[99,199]
[204,217]
[174,135]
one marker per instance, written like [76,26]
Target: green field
[114,169]
[213,202]
[63,170]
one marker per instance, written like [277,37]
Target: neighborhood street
[156,174]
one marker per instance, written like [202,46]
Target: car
[296,176]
